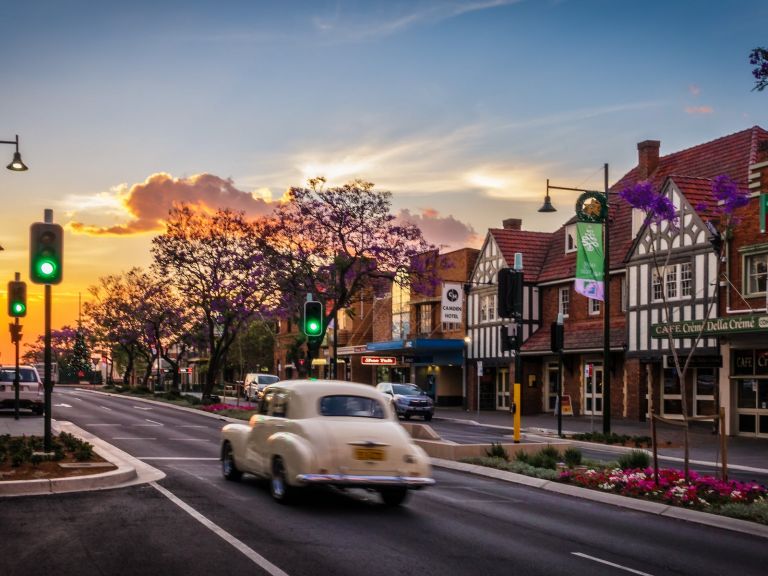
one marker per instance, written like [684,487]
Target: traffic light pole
[16,332]
[48,386]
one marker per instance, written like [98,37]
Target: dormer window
[570,238]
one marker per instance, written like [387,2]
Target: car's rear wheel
[228,467]
[394,496]
[278,486]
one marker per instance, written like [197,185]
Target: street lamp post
[584,199]
[16,164]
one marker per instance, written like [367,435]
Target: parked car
[327,432]
[31,396]
[254,384]
[408,400]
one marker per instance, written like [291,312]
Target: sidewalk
[748,453]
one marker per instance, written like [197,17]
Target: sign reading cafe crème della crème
[711,327]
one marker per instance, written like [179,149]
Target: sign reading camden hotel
[451,305]
[711,327]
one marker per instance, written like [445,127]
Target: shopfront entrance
[593,389]
[749,381]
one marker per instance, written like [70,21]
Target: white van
[254,383]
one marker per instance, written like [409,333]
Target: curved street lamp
[16,164]
[593,206]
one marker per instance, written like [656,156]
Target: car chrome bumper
[363,481]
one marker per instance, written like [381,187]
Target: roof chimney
[512,223]
[647,157]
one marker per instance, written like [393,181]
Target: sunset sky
[462,109]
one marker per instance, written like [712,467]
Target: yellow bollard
[516,413]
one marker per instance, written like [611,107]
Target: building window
[564,301]
[624,294]
[678,282]
[671,282]
[570,238]
[424,318]
[656,285]
[488,308]
[594,307]
[756,269]
[686,279]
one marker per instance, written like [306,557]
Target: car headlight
[402,401]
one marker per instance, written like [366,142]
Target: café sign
[712,327]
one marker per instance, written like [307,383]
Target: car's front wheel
[278,486]
[394,496]
[228,467]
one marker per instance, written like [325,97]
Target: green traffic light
[313,328]
[18,308]
[46,268]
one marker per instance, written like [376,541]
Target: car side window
[351,406]
[265,402]
[280,404]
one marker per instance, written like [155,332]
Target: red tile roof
[691,169]
[580,336]
[533,246]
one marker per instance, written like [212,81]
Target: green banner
[763,213]
[712,327]
[589,260]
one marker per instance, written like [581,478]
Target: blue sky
[462,109]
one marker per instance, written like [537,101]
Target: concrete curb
[715,520]
[129,472]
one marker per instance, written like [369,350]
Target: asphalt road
[194,522]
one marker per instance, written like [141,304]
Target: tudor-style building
[490,368]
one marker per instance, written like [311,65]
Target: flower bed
[700,492]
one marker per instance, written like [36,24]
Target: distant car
[31,395]
[408,400]
[254,384]
[326,432]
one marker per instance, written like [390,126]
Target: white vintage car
[323,432]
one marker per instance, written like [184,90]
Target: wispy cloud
[442,231]
[343,26]
[698,110]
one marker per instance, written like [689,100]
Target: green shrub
[572,457]
[634,459]
[755,512]
[193,400]
[545,458]
[497,451]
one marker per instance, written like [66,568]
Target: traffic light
[556,336]
[45,253]
[508,337]
[313,318]
[510,293]
[17,299]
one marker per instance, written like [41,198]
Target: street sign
[378,360]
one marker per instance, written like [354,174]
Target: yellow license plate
[369,454]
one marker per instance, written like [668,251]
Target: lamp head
[547,207]
[16,164]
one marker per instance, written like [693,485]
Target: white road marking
[174,458]
[250,553]
[192,426]
[619,566]
[131,438]
[142,408]
[153,423]
[105,408]
[63,405]
[103,424]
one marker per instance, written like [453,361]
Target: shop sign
[744,362]
[696,361]
[712,327]
[378,360]
[451,303]
[761,361]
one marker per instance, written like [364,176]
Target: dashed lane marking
[607,563]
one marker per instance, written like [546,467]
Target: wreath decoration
[592,207]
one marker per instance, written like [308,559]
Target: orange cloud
[444,232]
[148,203]
[698,110]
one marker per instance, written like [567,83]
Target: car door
[271,419]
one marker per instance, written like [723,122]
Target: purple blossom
[726,192]
[657,208]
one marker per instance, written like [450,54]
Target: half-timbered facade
[490,370]
[672,276]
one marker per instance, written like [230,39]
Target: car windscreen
[268,379]
[343,405]
[25,375]
[406,389]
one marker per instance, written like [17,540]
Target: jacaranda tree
[759,59]
[719,213]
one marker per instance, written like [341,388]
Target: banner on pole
[590,260]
